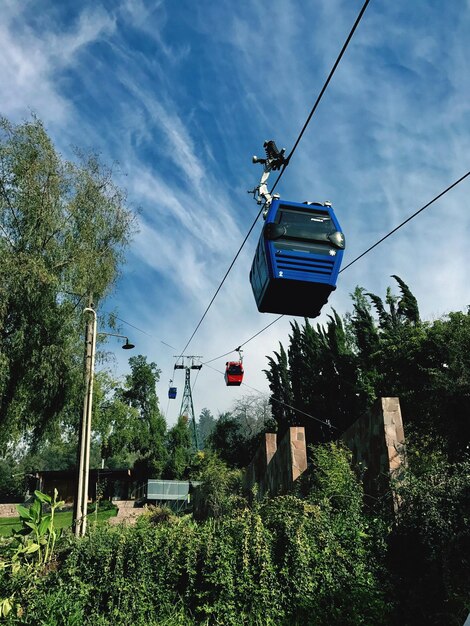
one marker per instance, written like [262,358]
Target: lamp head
[128,345]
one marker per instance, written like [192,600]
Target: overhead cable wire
[195,381]
[326,423]
[320,95]
[408,219]
[167,407]
[142,331]
[221,283]
[245,342]
[281,402]
[330,76]
[167,344]
[132,326]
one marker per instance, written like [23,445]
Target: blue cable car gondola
[298,258]
[172,393]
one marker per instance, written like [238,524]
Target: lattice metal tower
[187,407]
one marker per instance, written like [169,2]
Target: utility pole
[81,497]
[187,407]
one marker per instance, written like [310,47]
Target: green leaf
[32,547]
[23,512]
[43,497]
[45,524]
[5,607]
[35,510]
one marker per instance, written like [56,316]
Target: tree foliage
[63,229]
[130,423]
[430,543]
[236,433]
[336,371]
[178,450]
[205,426]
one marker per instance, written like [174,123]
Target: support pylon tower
[187,406]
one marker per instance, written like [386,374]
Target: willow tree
[63,230]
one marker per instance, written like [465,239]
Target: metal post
[78,514]
[89,407]
[79,506]
[81,499]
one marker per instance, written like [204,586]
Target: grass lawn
[62,520]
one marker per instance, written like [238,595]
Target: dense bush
[313,558]
[286,561]
[429,547]
[279,565]
[220,490]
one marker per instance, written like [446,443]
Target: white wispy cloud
[182,96]
[32,58]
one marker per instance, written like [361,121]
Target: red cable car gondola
[233,373]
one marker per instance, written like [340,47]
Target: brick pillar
[256,471]
[275,468]
[377,442]
[298,451]
[288,463]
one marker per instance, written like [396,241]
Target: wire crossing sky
[317,101]
[177,97]
[360,256]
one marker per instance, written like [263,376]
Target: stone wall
[376,439]
[127,512]
[275,468]
[377,442]
[8,510]
[256,471]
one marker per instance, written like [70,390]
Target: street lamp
[81,499]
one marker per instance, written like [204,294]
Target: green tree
[440,401]
[12,480]
[281,392]
[430,541]
[138,426]
[205,426]
[331,374]
[63,229]
[315,383]
[178,450]
[117,427]
[231,442]
[254,414]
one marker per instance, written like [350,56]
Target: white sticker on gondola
[281,274]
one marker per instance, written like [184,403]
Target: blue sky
[181,93]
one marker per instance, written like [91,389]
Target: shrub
[288,561]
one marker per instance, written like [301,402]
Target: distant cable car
[172,391]
[297,259]
[234,373]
